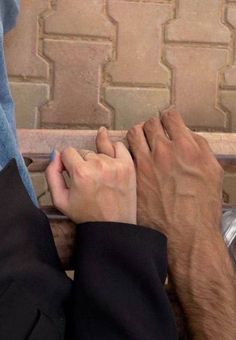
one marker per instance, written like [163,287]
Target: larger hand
[179,179]
[179,193]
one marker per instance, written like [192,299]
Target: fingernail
[53,155]
[102,129]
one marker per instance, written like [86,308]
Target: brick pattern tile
[77,87]
[138,57]
[230,74]
[195,84]
[198,21]
[21,44]
[85,63]
[134,105]
[28,98]
[80,17]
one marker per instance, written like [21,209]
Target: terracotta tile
[230,73]
[28,97]
[134,105]
[228,100]
[77,81]
[138,54]
[80,17]
[21,44]
[198,21]
[195,88]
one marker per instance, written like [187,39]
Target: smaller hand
[101,188]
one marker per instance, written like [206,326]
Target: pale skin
[179,189]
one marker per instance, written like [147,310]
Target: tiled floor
[86,63]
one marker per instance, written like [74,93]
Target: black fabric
[32,282]
[118,289]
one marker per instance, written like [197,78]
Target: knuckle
[200,139]
[168,115]
[148,125]
[136,129]
[162,144]
[79,172]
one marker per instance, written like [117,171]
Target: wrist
[186,249]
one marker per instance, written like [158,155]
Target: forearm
[205,281]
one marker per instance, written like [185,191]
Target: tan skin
[179,188]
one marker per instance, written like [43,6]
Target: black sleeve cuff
[118,290]
[108,239]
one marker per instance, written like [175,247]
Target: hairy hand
[179,180]
[101,188]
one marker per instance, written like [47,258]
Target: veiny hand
[178,178]
[180,194]
[101,188]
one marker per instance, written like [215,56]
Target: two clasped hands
[169,181]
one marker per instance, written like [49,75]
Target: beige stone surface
[28,98]
[76,93]
[134,105]
[230,73]
[195,72]
[228,100]
[22,43]
[199,21]
[116,62]
[139,43]
[80,17]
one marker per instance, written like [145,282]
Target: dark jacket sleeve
[118,290]
[33,287]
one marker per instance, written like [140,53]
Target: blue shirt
[9,148]
[9,10]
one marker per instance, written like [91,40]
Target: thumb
[104,144]
[56,182]
[122,152]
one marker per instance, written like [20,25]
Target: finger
[71,158]
[137,141]
[121,152]
[174,125]
[56,182]
[153,130]
[104,144]
[202,142]
[87,154]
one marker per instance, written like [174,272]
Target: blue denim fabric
[8,140]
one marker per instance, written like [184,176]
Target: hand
[180,193]
[101,188]
[179,180]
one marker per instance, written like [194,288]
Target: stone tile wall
[79,64]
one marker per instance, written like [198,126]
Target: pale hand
[101,188]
